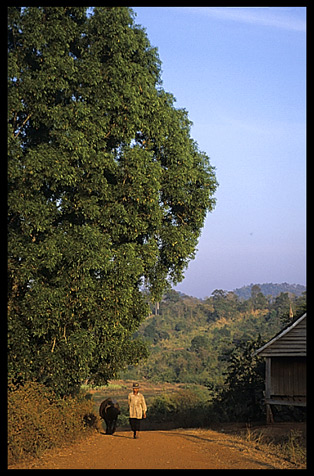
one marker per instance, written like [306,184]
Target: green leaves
[107,191]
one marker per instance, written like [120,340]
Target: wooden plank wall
[288,376]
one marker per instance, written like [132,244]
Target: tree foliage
[241,398]
[107,191]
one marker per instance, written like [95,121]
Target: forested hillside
[270,289]
[191,340]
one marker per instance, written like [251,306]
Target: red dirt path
[167,449]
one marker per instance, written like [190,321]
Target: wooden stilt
[269,415]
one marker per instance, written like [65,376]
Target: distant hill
[190,339]
[271,289]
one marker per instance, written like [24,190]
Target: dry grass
[37,420]
[283,440]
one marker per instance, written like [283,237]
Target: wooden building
[285,375]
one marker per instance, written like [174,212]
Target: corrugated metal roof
[289,342]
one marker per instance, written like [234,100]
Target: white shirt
[137,405]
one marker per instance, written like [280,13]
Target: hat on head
[136,385]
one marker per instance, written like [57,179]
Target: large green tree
[107,191]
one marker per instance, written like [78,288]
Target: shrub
[184,409]
[37,420]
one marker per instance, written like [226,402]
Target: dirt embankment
[163,449]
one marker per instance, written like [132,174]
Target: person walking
[137,409]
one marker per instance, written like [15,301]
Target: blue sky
[241,75]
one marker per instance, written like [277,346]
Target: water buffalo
[109,411]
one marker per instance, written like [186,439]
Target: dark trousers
[135,424]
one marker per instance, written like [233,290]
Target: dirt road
[171,449]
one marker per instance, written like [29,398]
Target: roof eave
[282,333]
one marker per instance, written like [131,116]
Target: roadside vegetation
[39,420]
[290,444]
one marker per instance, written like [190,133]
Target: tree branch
[53,345]
[20,129]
